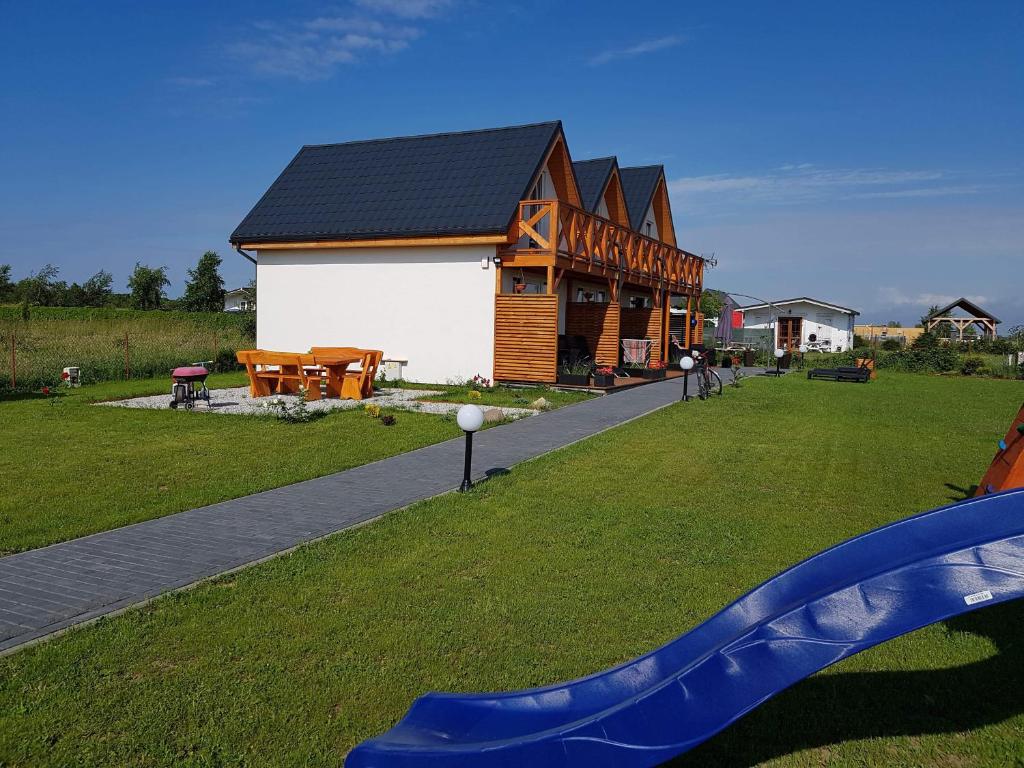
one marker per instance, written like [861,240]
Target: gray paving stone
[50,589]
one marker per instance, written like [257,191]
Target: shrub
[972,366]
[890,345]
[926,340]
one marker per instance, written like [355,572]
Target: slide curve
[848,598]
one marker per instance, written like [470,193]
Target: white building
[821,325]
[238,300]
[483,252]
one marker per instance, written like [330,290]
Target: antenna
[710,262]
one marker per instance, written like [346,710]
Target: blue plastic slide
[853,596]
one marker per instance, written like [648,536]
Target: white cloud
[314,49]
[898,298]
[647,46]
[804,183]
[406,9]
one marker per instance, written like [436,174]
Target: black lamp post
[470,418]
[686,363]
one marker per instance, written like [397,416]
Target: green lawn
[571,563]
[74,468]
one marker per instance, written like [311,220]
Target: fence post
[14,360]
[127,359]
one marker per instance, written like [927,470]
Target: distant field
[96,339]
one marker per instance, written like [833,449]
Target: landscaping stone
[540,404]
[492,415]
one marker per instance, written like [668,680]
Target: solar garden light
[470,419]
[779,352]
[686,363]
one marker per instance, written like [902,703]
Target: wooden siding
[644,323]
[599,325]
[526,338]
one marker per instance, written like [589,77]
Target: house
[466,253]
[238,300]
[963,317]
[793,322]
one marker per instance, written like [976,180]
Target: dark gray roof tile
[638,185]
[441,184]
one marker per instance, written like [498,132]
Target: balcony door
[789,332]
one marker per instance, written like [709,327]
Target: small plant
[575,368]
[478,383]
[606,370]
[372,410]
[388,420]
[475,394]
[297,412]
[658,365]
[737,376]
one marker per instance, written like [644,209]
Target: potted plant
[749,358]
[576,373]
[654,370]
[726,360]
[604,377]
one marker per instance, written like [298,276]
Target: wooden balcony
[555,234]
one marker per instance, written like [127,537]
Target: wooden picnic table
[334,367]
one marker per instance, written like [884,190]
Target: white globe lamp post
[470,418]
[687,365]
[779,352]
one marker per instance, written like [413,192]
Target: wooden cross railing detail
[594,244]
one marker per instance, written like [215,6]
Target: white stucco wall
[649,219]
[828,324]
[432,306]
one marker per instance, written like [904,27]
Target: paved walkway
[49,589]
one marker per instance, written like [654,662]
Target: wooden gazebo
[974,315]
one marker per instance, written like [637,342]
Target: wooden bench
[859,374]
[274,373]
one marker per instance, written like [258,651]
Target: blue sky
[865,153]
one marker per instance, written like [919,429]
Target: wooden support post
[551,279]
[666,318]
[686,333]
[497,280]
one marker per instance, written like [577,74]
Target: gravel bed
[236,400]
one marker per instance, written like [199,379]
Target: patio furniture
[860,375]
[636,352]
[342,382]
[273,372]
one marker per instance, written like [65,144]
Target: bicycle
[708,381]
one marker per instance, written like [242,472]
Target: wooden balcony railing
[585,242]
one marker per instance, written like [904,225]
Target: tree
[924,318]
[41,288]
[97,290]
[204,291]
[7,289]
[893,324]
[711,304]
[147,286]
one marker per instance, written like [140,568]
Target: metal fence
[33,355]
